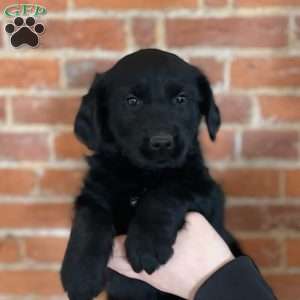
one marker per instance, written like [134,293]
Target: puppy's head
[148,106]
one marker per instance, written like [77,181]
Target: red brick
[264,251]
[9,250]
[29,73]
[221,149]
[285,286]
[297,27]
[280,108]
[105,34]
[233,108]
[1,35]
[227,32]
[293,183]
[2,110]
[53,5]
[17,182]
[286,217]
[259,3]
[80,73]
[35,215]
[270,144]
[45,249]
[247,218]
[215,3]
[292,252]
[45,110]
[213,68]
[265,72]
[67,146]
[144,32]
[249,182]
[263,218]
[56,181]
[136,4]
[24,146]
[28,282]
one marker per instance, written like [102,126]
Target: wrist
[213,268]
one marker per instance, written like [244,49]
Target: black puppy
[141,119]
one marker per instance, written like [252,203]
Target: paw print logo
[24,32]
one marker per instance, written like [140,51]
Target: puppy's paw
[83,280]
[146,250]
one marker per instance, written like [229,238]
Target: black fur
[134,186]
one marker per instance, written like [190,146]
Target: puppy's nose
[162,142]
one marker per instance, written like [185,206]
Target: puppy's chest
[125,205]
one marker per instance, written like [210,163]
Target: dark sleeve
[239,279]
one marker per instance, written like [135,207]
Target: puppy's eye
[180,99]
[133,101]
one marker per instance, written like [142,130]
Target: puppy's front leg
[88,251]
[153,231]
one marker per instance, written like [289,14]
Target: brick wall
[250,49]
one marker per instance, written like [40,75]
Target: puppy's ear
[86,125]
[208,106]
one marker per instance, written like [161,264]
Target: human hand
[198,252]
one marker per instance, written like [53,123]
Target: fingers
[194,217]
[118,247]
